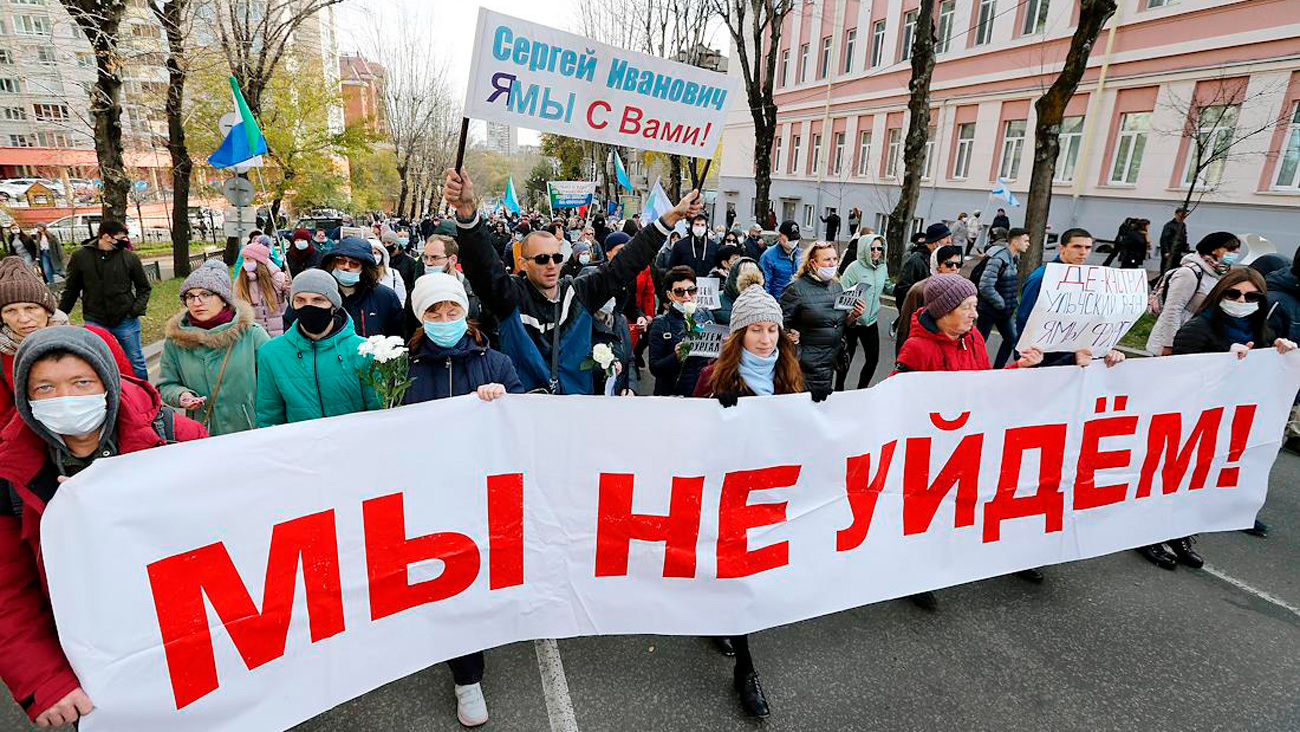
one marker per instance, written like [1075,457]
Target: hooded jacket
[698,253]
[1284,302]
[731,289]
[374,309]
[928,349]
[393,279]
[191,363]
[873,274]
[915,268]
[111,284]
[440,372]
[270,315]
[1183,296]
[999,285]
[301,379]
[308,258]
[32,663]
[1207,333]
[808,306]
[528,318]
[7,362]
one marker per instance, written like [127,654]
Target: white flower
[688,308]
[382,348]
[603,355]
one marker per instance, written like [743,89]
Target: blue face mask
[433,269]
[446,334]
[345,278]
[1231,258]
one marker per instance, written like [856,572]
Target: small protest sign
[708,343]
[706,295]
[1084,306]
[850,298]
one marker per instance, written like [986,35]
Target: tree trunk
[918,131]
[401,172]
[182,166]
[764,134]
[99,22]
[674,178]
[1050,112]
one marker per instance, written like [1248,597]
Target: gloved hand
[727,398]
[820,394]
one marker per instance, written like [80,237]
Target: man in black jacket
[695,250]
[832,221]
[917,265]
[1173,240]
[546,321]
[113,288]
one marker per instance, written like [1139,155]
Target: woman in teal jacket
[867,270]
[313,370]
[209,360]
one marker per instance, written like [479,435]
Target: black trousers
[744,661]
[467,670]
[869,336]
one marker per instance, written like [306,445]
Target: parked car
[81,226]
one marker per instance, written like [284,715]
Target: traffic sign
[238,191]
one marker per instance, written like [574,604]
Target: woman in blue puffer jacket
[450,357]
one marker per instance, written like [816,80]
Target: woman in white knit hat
[450,357]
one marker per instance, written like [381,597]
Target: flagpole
[460,146]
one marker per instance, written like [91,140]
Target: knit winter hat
[434,288]
[389,237]
[257,253]
[615,239]
[755,306]
[19,283]
[317,282]
[301,235]
[945,293]
[937,232]
[212,276]
[80,342]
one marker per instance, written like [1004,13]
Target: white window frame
[837,154]
[816,160]
[909,30]
[1130,143]
[965,149]
[947,14]
[13,114]
[864,152]
[785,67]
[850,37]
[882,222]
[1290,154]
[984,27]
[777,161]
[927,168]
[795,149]
[878,43]
[1035,17]
[1070,140]
[824,63]
[1012,147]
[1152,4]
[808,216]
[803,63]
[1216,130]
[31,25]
[51,55]
[11,86]
[21,140]
[894,151]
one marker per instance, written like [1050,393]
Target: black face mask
[314,319]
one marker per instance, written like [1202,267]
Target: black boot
[1031,575]
[1186,555]
[723,644]
[1159,556]
[925,600]
[752,697]
[1260,528]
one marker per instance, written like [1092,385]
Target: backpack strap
[11,504]
[164,424]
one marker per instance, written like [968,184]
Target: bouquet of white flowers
[602,357]
[389,369]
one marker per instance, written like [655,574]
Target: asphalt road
[1106,644]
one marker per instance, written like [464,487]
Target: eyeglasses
[545,259]
[1233,293]
[684,291]
[198,296]
[952,264]
[428,259]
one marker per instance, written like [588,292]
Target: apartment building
[841,89]
[363,88]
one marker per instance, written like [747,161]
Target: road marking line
[559,706]
[1253,590]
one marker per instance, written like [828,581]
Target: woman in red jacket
[26,306]
[73,406]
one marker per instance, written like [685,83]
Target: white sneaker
[471,707]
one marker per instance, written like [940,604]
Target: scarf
[10,340]
[226,315]
[1239,330]
[758,372]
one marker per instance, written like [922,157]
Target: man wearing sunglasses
[546,320]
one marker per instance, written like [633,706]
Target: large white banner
[251,581]
[530,75]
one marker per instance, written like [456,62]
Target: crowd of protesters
[491,305]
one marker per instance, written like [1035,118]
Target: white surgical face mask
[71,415]
[826,273]
[250,267]
[698,230]
[1236,309]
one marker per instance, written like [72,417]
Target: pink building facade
[841,89]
